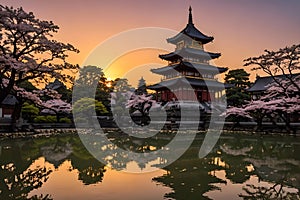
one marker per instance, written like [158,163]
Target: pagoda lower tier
[188,89]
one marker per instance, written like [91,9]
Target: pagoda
[189,65]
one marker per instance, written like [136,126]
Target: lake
[240,166]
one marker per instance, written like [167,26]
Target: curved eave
[227,85]
[156,87]
[188,52]
[222,69]
[199,67]
[170,56]
[214,55]
[190,81]
[200,53]
[190,31]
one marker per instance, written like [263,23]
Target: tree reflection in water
[271,160]
[16,178]
[90,170]
[276,192]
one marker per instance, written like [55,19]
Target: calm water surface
[239,167]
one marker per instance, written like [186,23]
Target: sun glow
[109,82]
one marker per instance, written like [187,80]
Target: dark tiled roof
[262,83]
[186,82]
[192,66]
[10,100]
[55,85]
[189,52]
[192,32]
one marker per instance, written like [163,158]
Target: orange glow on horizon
[135,65]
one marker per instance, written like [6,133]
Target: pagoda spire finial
[190,16]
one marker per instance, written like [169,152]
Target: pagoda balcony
[189,76]
[196,60]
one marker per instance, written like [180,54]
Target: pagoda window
[190,73]
[205,61]
[180,45]
[196,44]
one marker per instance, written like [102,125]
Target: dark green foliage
[27,86]
[29,111]
[121,85]
[45,119]
[85,107]
[93,84]
[238,77]
[237,95]
[65,120]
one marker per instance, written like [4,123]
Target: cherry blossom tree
[143,104]
[28,52]
[274,105]
[57,107]
[236,112]
[281,100]
[285,61]
[52,103]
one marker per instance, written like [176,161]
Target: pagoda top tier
[190,31]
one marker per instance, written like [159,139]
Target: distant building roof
[10,100]
[262,83]
[56,84]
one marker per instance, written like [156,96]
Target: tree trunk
[57,117]
[259,124]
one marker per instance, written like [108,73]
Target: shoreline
[63,131]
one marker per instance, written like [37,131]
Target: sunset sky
[241,28]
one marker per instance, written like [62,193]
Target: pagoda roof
[168,84]
[188,65]
[189,51]
[192,32]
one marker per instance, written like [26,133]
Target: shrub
[45,119]
[65,120]
[29,111]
